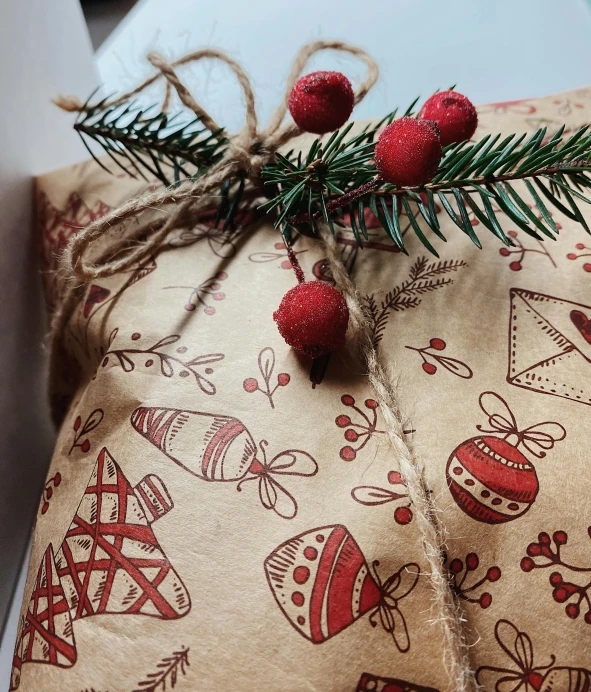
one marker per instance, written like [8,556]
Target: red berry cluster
[459,571]
[586,253]
[546,552]
[360,432]
[48,491]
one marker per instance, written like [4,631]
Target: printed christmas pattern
[373,683]
[488,476]
[550,345]
[215,447]
[109,563]
[323,584]
[520,674]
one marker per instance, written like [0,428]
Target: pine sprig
[338,176]
[167,670]
[145,143]
[423,277]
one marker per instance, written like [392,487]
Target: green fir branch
[338,176]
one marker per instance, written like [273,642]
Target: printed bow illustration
[541,436]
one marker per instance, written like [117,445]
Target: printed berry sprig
[583,251]
[266,362]
[545,553]
[93,420]
[358,433]
[168,671]
[198,294]
[371,496]
[518,252]
[432,358]
[416,161]
[460,572]
[52,483]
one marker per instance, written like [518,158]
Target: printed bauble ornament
[312,318]
[408,152]
[454,114]
[489,477]
[321,102]
[491,480]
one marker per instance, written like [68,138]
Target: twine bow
[248,151]
[537,437]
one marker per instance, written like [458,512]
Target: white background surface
[492,49]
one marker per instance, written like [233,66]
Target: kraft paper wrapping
[223,515]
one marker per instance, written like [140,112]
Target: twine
[247,153]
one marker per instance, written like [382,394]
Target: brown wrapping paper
[221,515]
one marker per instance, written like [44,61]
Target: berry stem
[299,272]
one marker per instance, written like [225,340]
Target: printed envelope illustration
[550,345]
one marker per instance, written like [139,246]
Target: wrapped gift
[235,517]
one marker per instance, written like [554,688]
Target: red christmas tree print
[110,561]
[46,635]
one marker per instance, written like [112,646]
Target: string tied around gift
[536,438]
[121,240]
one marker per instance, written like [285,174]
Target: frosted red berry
[454,114]
[321,102]
[437,344]
[408,152]
[250,385]
[403,515]
[313,318]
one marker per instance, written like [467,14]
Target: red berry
[533,550]
[343,421]
[351,435]
[250,385]
[588,617]
[580,246]
[48,493]
[85,446]
[587,267]
[313,318]
[544,538]
[135,336]
[454,114]
[395,478]
[280,246]
[503,251]
[485,600]
[221,276]
[348,453]
[515,266]
[571,256]
[456,566]
[472,561]
[45,507]
[429,368]
[347,400]
[371,404]
[403,515]
[408,152]
[77,423]
[437,344]
[512,234]
[556,579]
[321,102]
[189,307]
[572,610]
[219,296]
[527,564]
[560,595]
[286,264]
[283,379]
[493,574]
[57,479]
[208,310]
[560,537]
